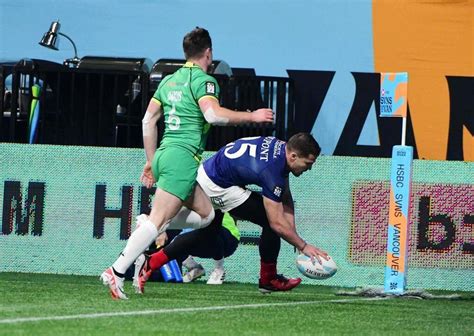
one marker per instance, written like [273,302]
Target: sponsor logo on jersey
[277,191]
[277,149]
[210,88]
[175,96]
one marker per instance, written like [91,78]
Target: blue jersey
[254,160]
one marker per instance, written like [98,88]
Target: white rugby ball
[315,270]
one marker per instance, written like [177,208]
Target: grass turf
[71,305]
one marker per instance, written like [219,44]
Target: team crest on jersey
[277,191]
[210,88]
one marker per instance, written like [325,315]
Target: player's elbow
[149,123]
[213,117]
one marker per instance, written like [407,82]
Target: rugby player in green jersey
[189,101]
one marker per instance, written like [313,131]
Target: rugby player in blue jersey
[267,163]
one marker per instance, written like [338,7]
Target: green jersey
[179,96]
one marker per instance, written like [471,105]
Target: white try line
[175,310]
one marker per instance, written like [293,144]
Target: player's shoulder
[165,80]
[204,84]
[254,139]
[199,74]
[265,142]
[276,157]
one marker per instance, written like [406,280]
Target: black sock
[120,275]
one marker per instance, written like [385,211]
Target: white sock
[186,218]
[190,263]
[219,263]
[138,242]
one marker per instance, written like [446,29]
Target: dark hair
[304,144]
[196,42]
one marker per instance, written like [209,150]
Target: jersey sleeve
[205,86]
[273,185]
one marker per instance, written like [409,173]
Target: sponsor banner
[70,210]
[393,94]
[398,224]
[441,234]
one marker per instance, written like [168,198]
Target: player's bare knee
[206,220]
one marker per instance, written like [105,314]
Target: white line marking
[175,310]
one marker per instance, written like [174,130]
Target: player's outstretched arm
[286,230]
[280,224]
[288,204]
[218,115]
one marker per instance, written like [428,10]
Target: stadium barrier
[102,104]
[70,209]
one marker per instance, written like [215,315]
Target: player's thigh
[252,210]
[165,206]
[199,202]
[175,170]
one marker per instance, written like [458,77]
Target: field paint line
[177,310]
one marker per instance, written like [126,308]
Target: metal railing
[78,106]
[103,107]
[253,92]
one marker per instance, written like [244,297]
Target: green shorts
[175,170]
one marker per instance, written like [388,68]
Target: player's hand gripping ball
[315,270]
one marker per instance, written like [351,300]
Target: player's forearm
[218,115]
[288,232]
[149,143]
[290,219]
[237,117]
[289,213]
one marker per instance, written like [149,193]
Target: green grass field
[38,304]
